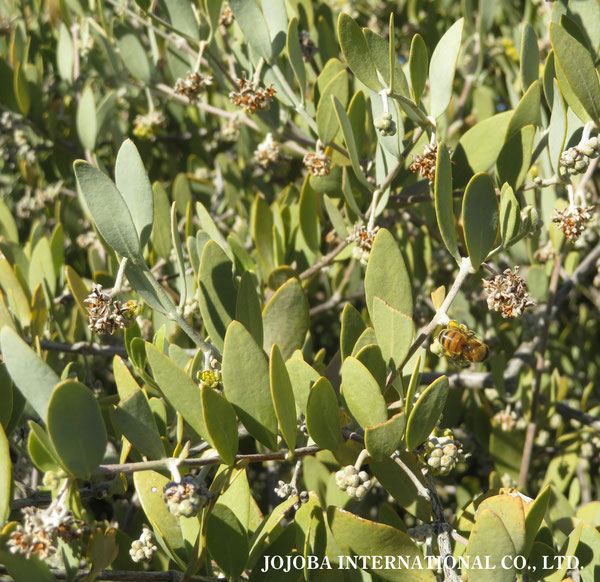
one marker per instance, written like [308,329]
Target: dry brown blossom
[507,293]
[364,238]
[267,152]
[41,528]
[193,85]
[106,315]
[425,164]
[317,163]
[226,17]
[250,96]
[572,220]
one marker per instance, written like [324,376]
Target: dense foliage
[299,278]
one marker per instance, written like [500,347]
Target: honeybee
[458,343]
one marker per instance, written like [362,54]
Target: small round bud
[51,480]
[353,481]
[349,470]
[361,492]
[434,462]
[351,491]
[363,476]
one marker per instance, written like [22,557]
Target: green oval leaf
[394,331]
[510,215]
[87,126]
[108,209]
[302,377]
[442,68]
[352,327]
[417,65]
[218,294]
[527,111]
[134,57]
[362,394]
[33,377]
[133,184]
[426,412]
[530,60]
[178,388]
[309,217]
[515,157]
[283,397]
[5,478]
[357,53]
[323,415]
[254,26]
[295,54]
[386,275]
[480,217]
[221,424]
[76,428]
[444,201]
[382,439]
[227,541]
[327,123]
[557,129]
[368,538]
[577,66]
[247,307]
[246,384]
[285,318]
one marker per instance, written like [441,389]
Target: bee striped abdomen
[452,341]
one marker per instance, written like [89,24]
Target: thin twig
[328,258]
[421,489]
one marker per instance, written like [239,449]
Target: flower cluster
[251,97]
[307,46]
[148,125]
[193,85]
[286,490]
[317,163]
[364,237]
[386,126]
[191,307]
[506,419]
[41,198]
[143,548]
[226,17]
[441,453]
[267,152]
[425,164]
[14,143]
[106,315]
[41,528]
[572,220]
[507,293]
[354,482]
[211,378]
[576,160]
[186,497]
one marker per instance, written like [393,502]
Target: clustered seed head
[193,85]
[148,125]
[267,152]
[441,453]
[576,160]
[143,548]
[425,164]
[251,97]
[507,293]
[211,378]
[317,163]
[364,237]
[106,315]
[354,482]
[572,220]
[186,497]
[307,46]
[506,419]
[285,490]
[226,17]
[385,125]
[231,128]
[40,530]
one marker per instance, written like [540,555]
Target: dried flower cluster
[193,85]
[186,497]
[40,529]
[576,160]
[354,482]
[106,315]
[317,163]
[14,143]
[251,97]
[226,17]
[425,164]
[267,152]
[143,548]
[572,220]
[307,46]
[364,237]
[148,125]
[440,454]
[506,419]
[507,293]
[40,198]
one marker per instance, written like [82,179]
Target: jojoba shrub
[299,290]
